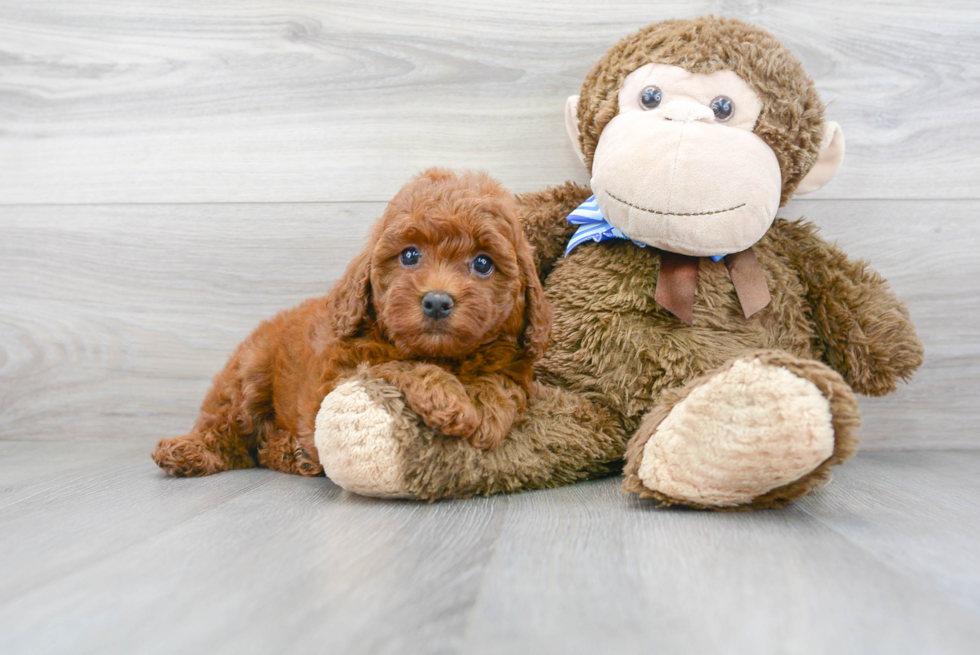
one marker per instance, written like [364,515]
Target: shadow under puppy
[444,302]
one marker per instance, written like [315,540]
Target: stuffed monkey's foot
[357,437]
[759,432]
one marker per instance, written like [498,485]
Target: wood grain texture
[636,580]
[901,510]
[110,326]
[172,173]
[116,317]
[248,100]
[927,252]
[118,558]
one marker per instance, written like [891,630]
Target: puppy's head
[448,269]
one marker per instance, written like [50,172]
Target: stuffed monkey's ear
[351,295]
[571,125]
[537,311]
[829,160]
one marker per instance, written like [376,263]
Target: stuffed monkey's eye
[651,97]
[410,256]
[723,108]
[482,265]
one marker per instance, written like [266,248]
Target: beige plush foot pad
[355,440]
[749,429]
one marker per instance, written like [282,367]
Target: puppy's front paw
[451,418]
[436,395]
[356,440]
[187,456]
[488,436]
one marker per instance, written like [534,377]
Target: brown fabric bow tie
[678,280]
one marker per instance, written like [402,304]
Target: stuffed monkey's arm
[543,215]
[866,332]
[434,394]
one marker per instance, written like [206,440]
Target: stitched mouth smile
[653,211]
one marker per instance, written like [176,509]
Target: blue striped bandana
[595,227]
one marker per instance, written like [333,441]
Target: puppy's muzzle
[437,304]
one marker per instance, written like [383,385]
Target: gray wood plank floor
[103,554]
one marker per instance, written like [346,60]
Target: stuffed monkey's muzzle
[677,180]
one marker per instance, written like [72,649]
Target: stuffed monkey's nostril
[437,304]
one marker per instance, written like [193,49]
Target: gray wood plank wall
[173,172]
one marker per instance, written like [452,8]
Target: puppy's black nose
[437,304]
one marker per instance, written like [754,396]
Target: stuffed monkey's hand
[435,394]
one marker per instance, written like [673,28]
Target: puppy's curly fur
[467,374]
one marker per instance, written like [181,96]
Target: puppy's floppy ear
[537,311]
[350,297]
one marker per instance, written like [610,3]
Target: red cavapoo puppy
[444,302]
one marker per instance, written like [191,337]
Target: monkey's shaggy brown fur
[619,361]
[832,321]
[467,375]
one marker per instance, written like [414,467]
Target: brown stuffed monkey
[708,344]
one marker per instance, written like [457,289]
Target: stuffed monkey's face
[679,168]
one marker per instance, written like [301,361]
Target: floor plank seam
[95,560]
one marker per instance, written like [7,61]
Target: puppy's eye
[482,265]
[410,256]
